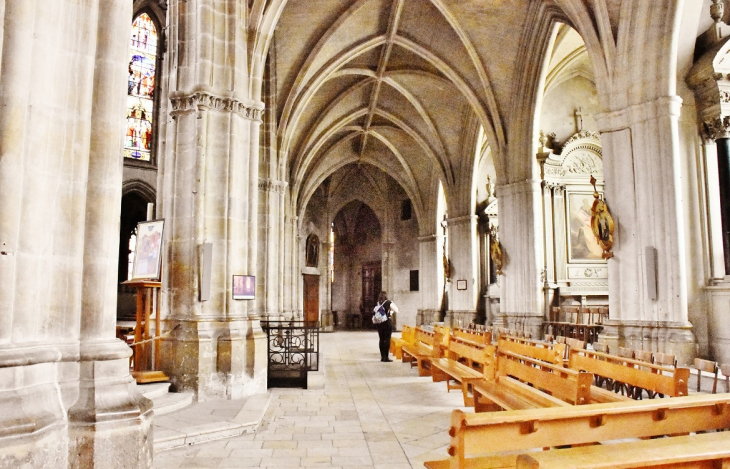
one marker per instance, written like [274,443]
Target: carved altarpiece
[575,269]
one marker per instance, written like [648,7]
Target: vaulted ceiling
[402,85]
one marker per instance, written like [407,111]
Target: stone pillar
[521,237]
[464,265]
[110,422]
[327,317]
[643,192]
[66,396]
[431,282]
[271,243]
[211,185]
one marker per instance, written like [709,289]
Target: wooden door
[371,286]
[311,298]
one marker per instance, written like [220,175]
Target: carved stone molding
[432,238]
[269,185]
[461,220]
[718,127]
[205,101]
[581,135]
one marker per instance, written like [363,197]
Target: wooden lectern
[147,347]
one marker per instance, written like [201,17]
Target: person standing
[385,329]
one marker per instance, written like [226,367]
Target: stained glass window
[141,89]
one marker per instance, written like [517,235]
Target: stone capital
[716,128]
[461,220]
[204,101]
[269,185]
[650,110]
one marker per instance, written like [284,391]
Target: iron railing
[293,350]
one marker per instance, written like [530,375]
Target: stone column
[521,237]
[431,282]
[643,192]
[464,265]
[101,430]
[66,396]
[271,243]
[211,185]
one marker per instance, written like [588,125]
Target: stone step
[171,401]
[153,390]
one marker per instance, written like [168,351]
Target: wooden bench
[708,450]
[455,364]
[422,350]
[478,337]
[479,440]
[544,351]
[521,381]
[657,379]
[407,336]
[554,353]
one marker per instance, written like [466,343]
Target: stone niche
[575,271]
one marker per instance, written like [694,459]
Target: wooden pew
[477,337]
[654,378]
[407,336]
[422,350]
[479,440]
[455,364]
[554,353]
[708,450]
[544,351]
[517,381]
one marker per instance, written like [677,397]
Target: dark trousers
[385,330]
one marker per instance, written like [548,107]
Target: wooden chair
[708,366]
[666,359]
[725,370]
[624,352]
[602,380]
[648,357]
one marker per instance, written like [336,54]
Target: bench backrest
[462,348]
[547,352]
[480,337]
[408,334]
[424,336]
[483,433]
[666,380]
[564,383]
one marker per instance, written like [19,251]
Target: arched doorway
[358,258]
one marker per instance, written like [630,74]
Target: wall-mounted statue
[312,250]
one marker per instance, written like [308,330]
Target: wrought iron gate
[293,350]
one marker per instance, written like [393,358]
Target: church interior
[543,167]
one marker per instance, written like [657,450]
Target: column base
[327,323]
[666,337]
[215,359]
[526,322]
[110,425]
[427,316]
[460,319]
[33,417]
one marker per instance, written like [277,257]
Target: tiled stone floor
[369,414]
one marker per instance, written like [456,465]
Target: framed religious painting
[244,287]
[148,250]
[582,243]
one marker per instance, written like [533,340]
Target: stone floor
[367,414]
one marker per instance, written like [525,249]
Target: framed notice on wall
[461,284]
[148,251]
[244,287]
